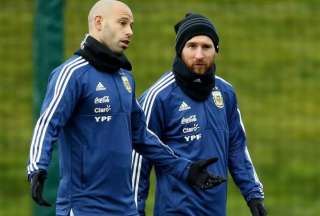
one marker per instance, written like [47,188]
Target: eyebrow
[125,19]
[200,43]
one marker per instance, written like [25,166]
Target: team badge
[126,83]
[217,98]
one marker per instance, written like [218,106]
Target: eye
[123,23]
[207,46]
[191,45]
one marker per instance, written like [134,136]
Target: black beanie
[192,25]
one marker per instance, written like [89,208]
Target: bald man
[90,107]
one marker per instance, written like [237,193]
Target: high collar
[101,57]
[196,86]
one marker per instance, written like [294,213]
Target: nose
[199,53]
[129,31]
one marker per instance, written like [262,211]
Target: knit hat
[192,25]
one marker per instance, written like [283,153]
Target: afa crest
[126,83]
[217,98]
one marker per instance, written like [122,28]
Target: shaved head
[100,8]
[104,9]
[110,22]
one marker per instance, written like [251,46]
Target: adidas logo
[184,106]
[100,87]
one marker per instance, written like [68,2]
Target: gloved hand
[37,183]
[199,177]
[257,208]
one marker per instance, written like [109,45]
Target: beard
[201,67]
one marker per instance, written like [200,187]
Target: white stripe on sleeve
[147,105]
[42,123]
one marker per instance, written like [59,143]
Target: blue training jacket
[96,119]
[195,130]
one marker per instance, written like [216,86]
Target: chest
[189,118]
[105,95]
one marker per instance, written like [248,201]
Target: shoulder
[162,88]
[127,73]
[226,89]
[75,66]
[223,85]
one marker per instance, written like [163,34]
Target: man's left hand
[257,208]
[199,177]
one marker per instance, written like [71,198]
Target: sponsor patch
[102,109]
[101,100]
[194,128]
[190,119]
[193,137]
[103,118]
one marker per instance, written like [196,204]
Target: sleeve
[59,102]
[239,161]
[142,166]
[147,143]
[141,181]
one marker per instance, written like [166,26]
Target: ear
[98,23]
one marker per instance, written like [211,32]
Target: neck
[197,86]
[102,57]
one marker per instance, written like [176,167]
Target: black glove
[37,183]
[199,177]
[257,208]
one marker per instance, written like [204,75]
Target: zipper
[206,114]
[83,182]
[118,90]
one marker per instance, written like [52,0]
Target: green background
[269,51]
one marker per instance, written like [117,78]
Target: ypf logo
[193,137]
[103,118]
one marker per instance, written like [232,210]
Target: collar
[101,57]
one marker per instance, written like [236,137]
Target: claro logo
[191,129]
[102,109]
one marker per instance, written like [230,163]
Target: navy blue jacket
[96,119]
[195,130]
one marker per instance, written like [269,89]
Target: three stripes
[44,120]
[147,105]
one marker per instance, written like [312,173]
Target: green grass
[269,52]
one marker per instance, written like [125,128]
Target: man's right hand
[257,207]
[37,182]
[199,177]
